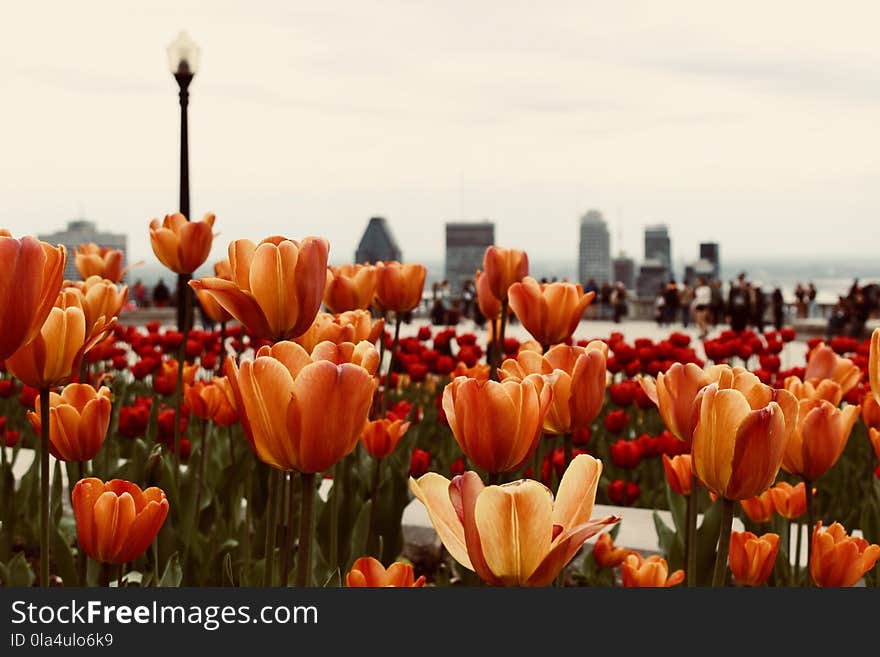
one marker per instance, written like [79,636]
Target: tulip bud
[752,558]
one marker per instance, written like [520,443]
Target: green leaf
[56,504]
[19,571]
[227,568]
[173,574]
[707,542]
[62,557]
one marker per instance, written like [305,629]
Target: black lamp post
[183,59]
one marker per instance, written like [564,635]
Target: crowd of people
[746,304]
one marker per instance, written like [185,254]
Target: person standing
[685,301]
[671,306]
[777,304]
[811,299]
[759,306]
[619,301]
[660,305]
[739,304]
[702,303]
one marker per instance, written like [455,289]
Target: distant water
[832,277]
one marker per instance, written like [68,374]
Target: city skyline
[309,121]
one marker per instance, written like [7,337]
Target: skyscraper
[377,243]
[657,245]
[711,251]
[624,269]
[83,231]
[466,242]
[594,259]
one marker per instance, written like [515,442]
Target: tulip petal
[515,526]
[432,490]
[577,492]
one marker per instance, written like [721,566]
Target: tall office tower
[657,245]
[83,231]
[594,259]
[624,270]
[466,242]
[711,251]
[377,243]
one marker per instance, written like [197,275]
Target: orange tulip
[350,326]
[99,298]
[515,534]
[821,434]
[789,501]
[54,356]
[740,438]
[101,261]
[503,268]
[577,376]
[838,559]
[31,278]
[276,287]
[497,425]
[759,508]
[752,558]
[827,389]
[380,437]
[116,521]
[399,287]
[870,411]
[369,572]
[350,287]
[823,363]
[181,245]
[651,572]
[874,437]
[674,394]
[302,412]
[211,401]
[608,555]
[480,371]
[550,312]
[679,473]
[165,379]
[78,421]
[874,364]
[489,304]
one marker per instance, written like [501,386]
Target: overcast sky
[754,124]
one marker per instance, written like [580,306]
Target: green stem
[372,545]
[44,487]
[690,545]
[493,478]
[105,575]
[720,576]
[335,502]
[200,476]
[246,538]
[811,525]
[306,530]
[181,362]
[498,355]
[387,388]
[271,527]
[288,531]
[378,395]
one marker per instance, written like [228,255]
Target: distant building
[652,274]
[594,258]
[657,245]
[710,251]
[624,270]
[701,268]
[82,231]
[466,243]
[377,243]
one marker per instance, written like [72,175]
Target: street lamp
[183,59]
